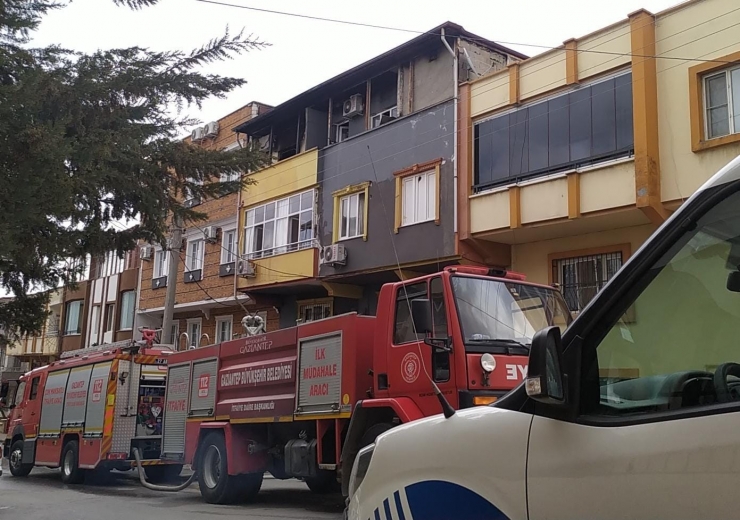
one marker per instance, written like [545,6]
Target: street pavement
[42,496]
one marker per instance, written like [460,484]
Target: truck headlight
[360,467]
[488,363]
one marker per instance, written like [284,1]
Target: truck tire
[71,471]
[163,473]
[372,433]
[215,483]
[324,483]
[15,458]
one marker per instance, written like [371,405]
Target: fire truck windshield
[494,312]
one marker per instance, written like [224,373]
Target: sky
[304,52]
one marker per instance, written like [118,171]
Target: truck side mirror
[421,314]
[545,379]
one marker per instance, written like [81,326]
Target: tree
[89,139]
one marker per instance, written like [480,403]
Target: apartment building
[360,189]
[109,314]
[33,351]
[572,158]
[207,306]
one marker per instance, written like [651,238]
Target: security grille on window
[582,277]
[314,311]
[419,203]
[352,213]
[722,103]
[280,226]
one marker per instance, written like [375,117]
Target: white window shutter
[408,192]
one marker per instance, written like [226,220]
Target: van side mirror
[545,379]
[421,314]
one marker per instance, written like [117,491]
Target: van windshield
[494,311]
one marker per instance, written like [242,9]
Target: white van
[634,413]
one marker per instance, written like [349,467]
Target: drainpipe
[137,303]
[454,160]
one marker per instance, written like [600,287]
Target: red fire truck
[301,402]
[88,411]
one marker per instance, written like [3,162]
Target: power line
[413,31]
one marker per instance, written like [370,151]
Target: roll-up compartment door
[176,412]
[96,399]
[52,405]
[320,374]
[203,388]
[75,400]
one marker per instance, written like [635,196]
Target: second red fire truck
[301,402]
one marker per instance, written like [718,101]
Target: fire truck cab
[88,411]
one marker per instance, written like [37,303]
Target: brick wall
[217,210]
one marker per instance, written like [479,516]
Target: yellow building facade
[574,157]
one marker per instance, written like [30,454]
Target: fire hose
[155,487]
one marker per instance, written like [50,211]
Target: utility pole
[174,248]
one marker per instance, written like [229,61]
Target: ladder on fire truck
[149,335]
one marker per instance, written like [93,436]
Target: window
[417,194]
[73,317]
[175,334]
[95,327]
[440,357]
[352,216]
[280,226]
[383,117]
[228,246]
[587,125]
[128,300]
[403,331]
[194,328]
[161,263]
[191,199]
[582,276]
[110,316]
[313,310]
[34,388]
[19,393]
[685,325]
[722,103]
[341,131]
[194,259]
[224,326]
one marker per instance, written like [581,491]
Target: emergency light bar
[486,271]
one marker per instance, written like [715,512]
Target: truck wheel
[248,486]
[71,472]
[15,458]
[164,473]
[215,483]
[373,432]
[324,483]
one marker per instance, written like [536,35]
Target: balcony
[283,268]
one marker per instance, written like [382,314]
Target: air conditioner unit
[335,254]
[353,106]
[198,134]
[245,267]
[146,252]
[209,233]
[211,129]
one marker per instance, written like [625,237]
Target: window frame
[158,266]
[192,321]
[109,318]
[123,309]
[225,252]
[349,191]
[697,115]
[391,111]
[190,258]
[337,127]
[421,168]
[224,319]
[230,178]
[67,306]
[402,299]
[288,247]
[34,392]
